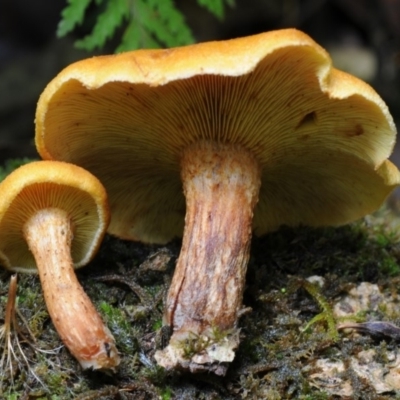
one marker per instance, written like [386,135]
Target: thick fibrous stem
[49,234]
[221,184]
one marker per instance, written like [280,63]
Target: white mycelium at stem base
[49,234]
[221,184]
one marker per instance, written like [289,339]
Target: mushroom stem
[221,185]
[49,234]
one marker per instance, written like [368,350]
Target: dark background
[363,37]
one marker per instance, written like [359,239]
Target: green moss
[120,327]
[275,357]
[327,313]
[12,164]
[157,325]
[389,266]
[195,344]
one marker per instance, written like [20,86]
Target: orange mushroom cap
[321,137]
[45,184]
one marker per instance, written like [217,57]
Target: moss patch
[127,283]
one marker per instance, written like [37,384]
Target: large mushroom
[214,141]
[53,216]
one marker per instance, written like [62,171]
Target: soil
[290,347]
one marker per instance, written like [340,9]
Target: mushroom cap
[51,184]
[322,137]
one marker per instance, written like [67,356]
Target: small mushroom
[214,141]
[53,216]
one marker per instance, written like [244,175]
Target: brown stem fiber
[49,234]
[221,185]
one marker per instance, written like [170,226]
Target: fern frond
[149,23]
[107,22]
[155,23]
[136,37]
[216,7]
[71,16]
[166,23]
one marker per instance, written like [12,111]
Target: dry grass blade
[13,356]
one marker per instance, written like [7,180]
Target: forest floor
[301,285]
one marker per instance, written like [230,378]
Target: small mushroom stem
[221,185]
[49,234]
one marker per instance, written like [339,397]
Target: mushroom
[53,216]
[198,139]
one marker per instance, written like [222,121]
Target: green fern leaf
[71,16]
[216,7]
[155,23]
[131,39]
[107,22]
[149,23]
[136,37]
[165,22]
